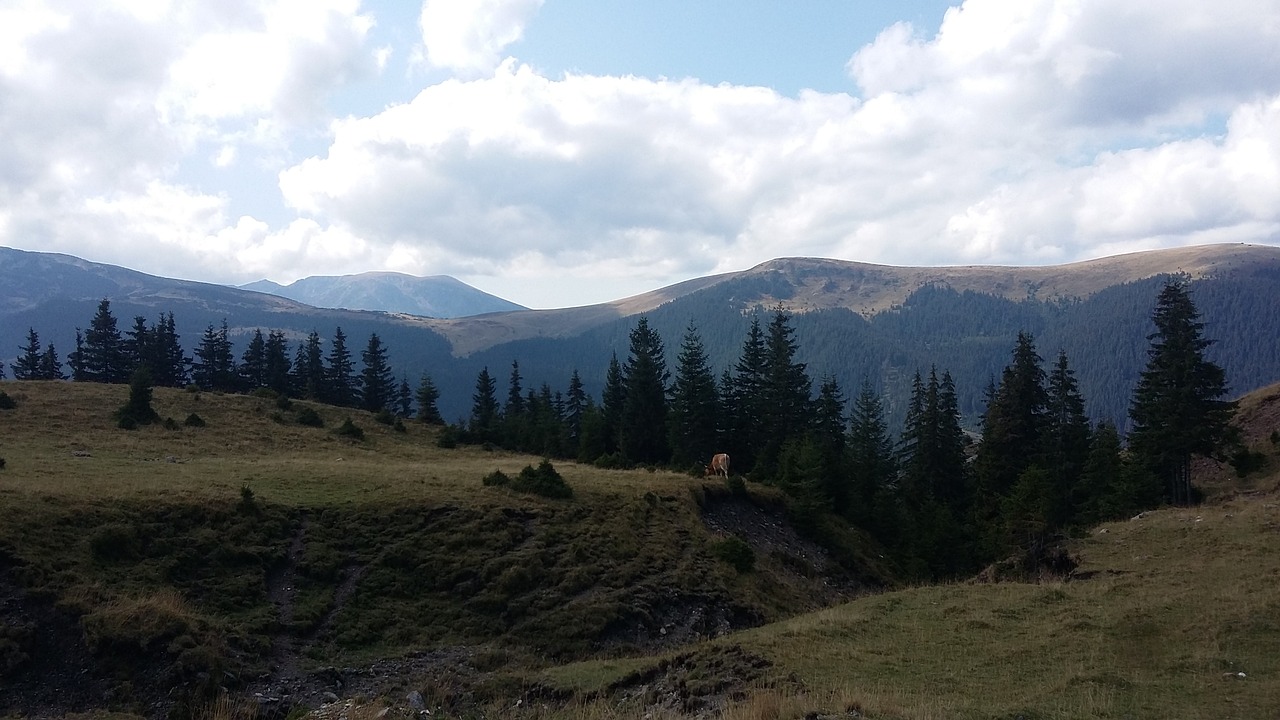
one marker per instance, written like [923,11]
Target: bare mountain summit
[439,296]
[808,284]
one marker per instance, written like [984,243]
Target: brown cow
[719,466]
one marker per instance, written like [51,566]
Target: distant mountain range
[855,322]
[438,296]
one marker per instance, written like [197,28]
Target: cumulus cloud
[1036,131]
[468,36]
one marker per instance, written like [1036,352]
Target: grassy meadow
[165,542]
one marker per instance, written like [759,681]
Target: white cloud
[1034,131]
[468,36]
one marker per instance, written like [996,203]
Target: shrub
[115,542]
[266,393]
[137,409]
[399,426]
[6,402]
[737,485]
[277,417]
[171,424]
[543,480]
[309,417]
[247,505]
[1275,435]
[611,461]
[735,551]
[283,402]
[193,389]
[448,438]
[384,417]
[350,429]
[1247,462]
[194,420]
[497,478]
[1,463]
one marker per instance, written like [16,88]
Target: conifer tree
[831,444]
[785,393]
[137,345]
[214,367]
[1013,424]
[76,359]
[872,468]
[101,357]
[611,401]
[253,363]
[484,408]
[746,396]
[642,433]
[427,396]
[276,365]
[340,372]
[377,382]
[168,361]
[1065,442]
[1177,410]
[574,407]
[27,366]
[515,393]
[308,369]
[50,365]
[694,405]
[404,398]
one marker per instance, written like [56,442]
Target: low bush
[384,417]
[350,429]
[448,438]
[283,402]
[6,402]
[171,424]
[309,417]
[542,480]
[497,478]
[735,551]
[194,420]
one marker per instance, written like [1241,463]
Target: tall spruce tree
[102,358]
[427,396]
[1065,442]
[694,408]
[137,346]
[611,402]
[872,468]
[276,365]
[377,382]
[485,414]
[168,361]
[308,369]
[1177,410]
[746,397]
[575,406]
[642,436]
[830,442]
[1013,424]
[27,366]
[515,393]
[785,393]
[253,363]
[50,365]
[340,382]
[214,366]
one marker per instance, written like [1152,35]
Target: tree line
[105,354]
[942,500]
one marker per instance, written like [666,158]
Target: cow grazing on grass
[719,466]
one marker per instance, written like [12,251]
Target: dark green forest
[943,495]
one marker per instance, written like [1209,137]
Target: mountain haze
[439,296]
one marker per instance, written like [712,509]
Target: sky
[567,152]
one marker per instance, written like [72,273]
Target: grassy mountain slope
[249,551]
[436,296]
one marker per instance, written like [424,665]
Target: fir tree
[831,444]
[515,397]
[574,407]
[253,364]
[214,366]
[872,468]
[642,433]
[308,369]
[1177,410]
[168,362]
[484,408]
[76,359]
[50,365]
[427,396]
[276,365]
[404,398]
[1013,424]
[1065,442]
[747,400]
[785,392]
[377,382]
[27,366]
[611,402]
[101,357]
[340,372]
[694,405]
[138,411]
[137,346]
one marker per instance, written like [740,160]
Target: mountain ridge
[431,296]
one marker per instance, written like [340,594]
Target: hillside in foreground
[234,549]
[384,572]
